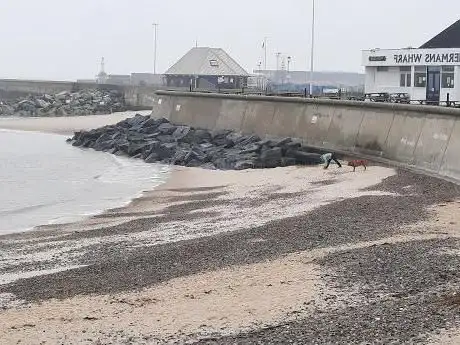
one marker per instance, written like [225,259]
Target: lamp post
[264,46]
[312,47]
[155,29]
[278,55]
[277,72]
[259,73]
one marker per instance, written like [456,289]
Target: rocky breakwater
[66,103]
[158,140]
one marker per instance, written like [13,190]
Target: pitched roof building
[204,67]
[449,38]
[429,74]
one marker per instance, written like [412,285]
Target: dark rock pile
[66,103]
[158,140]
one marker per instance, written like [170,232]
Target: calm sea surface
[43,180]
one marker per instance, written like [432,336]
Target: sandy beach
[286,255]
[64,125]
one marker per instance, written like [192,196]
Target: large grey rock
[6,110]
[136,148]
[179,157]
[243,165]
[293,145]
[219,137]
[305,158]
[136,120]
[208,166]
[181,132]
[196,155]
[150,148]
[62,95]
[122,145]
[233,138]
[152,158]
[288,161]
[224,163]
[157,140]
[167,128]
[282,142]
[167,150]
[150,126]
[40,103]
[271,158]
[246,140]
[251,148]
[166,138]
[104,146]
[48,98]
[26,105]
[202,135]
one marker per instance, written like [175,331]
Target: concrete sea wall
[136,97]
[421,138]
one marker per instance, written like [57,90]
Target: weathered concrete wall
[136,97]
[419,137]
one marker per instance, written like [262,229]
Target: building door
[433,85]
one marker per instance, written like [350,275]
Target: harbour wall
[421,138]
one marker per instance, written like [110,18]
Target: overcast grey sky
[63,39]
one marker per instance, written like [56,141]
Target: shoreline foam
[49,126]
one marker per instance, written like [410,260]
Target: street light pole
[155,29]
[277,72]
[278,55]
[312,47]
[265,54]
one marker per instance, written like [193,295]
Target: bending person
[328,158]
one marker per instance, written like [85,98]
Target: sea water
[44,180]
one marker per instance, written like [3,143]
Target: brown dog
[358,162]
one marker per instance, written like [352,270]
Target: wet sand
[286,255]
[241,257]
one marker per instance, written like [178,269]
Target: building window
[406,76]
[447,80]
[214,63]
[420,76]
[382,68]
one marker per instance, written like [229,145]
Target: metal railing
[383,97]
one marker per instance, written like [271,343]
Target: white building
[430,73]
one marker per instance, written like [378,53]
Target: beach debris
[158,140]
[65,103]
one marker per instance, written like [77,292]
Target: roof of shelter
[207,61]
